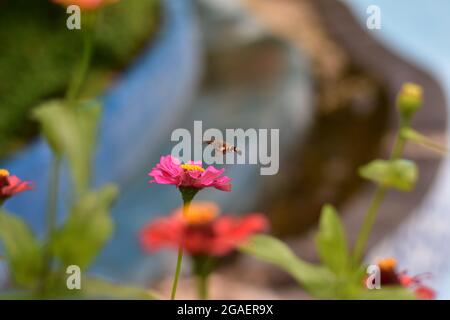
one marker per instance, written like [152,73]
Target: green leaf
[99,288]
[70,132]
[399,174]
[22,249]
[331,241]
[87,228]
[418,138]
[318,280]
[315,279]
[386,293]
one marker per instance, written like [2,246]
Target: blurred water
[419,31]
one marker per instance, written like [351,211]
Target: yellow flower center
[4,173]
[192,167]
[412,90]
[387,263]
[200,213]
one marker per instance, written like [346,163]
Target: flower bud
[409,100]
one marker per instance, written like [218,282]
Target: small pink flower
[11,185]
[84,4]
[170,170]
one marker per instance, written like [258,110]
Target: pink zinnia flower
[170,170]
[85,4]
[200,231]
[11,185]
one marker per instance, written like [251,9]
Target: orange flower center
[387,264]
[192,167]
[4,173]
[200,213]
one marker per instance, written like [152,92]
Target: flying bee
[222,146]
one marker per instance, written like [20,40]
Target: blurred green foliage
[39,267]
[341,274]
[314,278]
[38,54]
[23,251]
[320,280]
[87,228]
[40,64]
[331,241]
[71,132]
[399,174]
[77,242]
[416,137]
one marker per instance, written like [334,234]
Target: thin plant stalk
[186,205]
[83,66]
[202,286]
[177,273]
[53,189]
[52,211]
[203,265]
[71,95]
[377,199]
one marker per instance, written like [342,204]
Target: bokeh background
[310,68]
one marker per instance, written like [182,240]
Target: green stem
[72,93]
[375,203]
[177,273]
[52,210]
[81,71]
[202,286]
[368,223]
[418,138]
[186,204]
[1,205]
[203,266]
[399,144]
[53,195]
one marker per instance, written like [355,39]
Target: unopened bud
[409,99]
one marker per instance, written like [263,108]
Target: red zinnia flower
[200,232]
[390,276]
[11,185]
[170,170]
